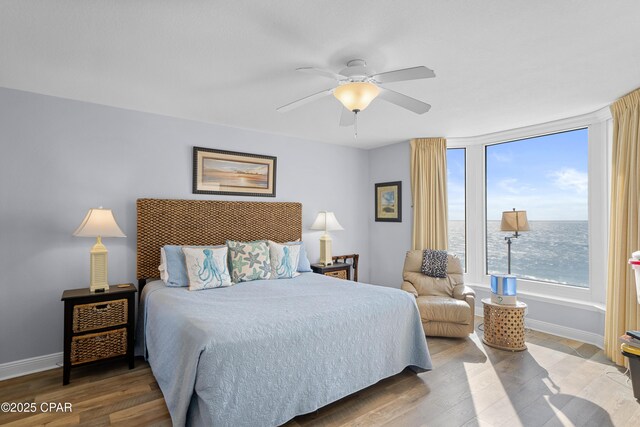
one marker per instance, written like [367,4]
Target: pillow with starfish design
[249,260]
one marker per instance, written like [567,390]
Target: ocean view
[553,251]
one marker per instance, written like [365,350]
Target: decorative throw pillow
[207,268]
[249,260]
[304,266]
[284,259]
[434,263]
[173,270]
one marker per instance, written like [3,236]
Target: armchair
[446,305]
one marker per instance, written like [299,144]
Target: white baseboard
[565,332]
[29,366]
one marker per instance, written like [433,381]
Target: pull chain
[355,124]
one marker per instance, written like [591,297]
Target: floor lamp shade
[326,221]
[99,223]
[514,221]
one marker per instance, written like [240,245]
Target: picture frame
[233,173]
[388,201]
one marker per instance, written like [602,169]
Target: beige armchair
[446,305]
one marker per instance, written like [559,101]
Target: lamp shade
[356,96]
[514,221]
[99,222]
[326,221]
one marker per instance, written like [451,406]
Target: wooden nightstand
[98,326]
[339,270]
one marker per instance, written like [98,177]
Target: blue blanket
[259,353]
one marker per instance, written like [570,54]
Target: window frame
[486,195]
[599,128]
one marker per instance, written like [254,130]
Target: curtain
[624,237]
[429,193]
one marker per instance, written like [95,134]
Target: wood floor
[556,382]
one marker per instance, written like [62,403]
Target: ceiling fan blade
[404,101]
[324,73]
[347,118]
[300,102]
[404,74]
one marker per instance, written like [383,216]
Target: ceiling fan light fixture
[356,96]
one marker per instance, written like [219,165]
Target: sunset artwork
[233,173]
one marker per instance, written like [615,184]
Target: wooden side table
[98,326]
[504,325]
[339,270]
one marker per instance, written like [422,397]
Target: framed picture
[389,201]
[233,173]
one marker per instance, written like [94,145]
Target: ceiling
[500,65]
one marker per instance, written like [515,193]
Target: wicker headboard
[209,222]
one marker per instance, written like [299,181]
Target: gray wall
[389,240]
[60,157]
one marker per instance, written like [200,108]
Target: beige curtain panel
[429,193]
[624,236]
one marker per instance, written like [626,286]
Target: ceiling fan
[357,87]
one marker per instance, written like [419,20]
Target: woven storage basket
[101,345]
[504,327]
[88,317]
[340,274]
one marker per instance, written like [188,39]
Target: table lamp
[326,221]
[99,223]
[515,221]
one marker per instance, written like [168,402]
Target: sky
[546,176]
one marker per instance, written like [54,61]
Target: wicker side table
[98,326]
[504,325]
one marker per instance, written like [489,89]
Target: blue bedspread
[259,353]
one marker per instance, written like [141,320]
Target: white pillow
[284,260]
[164,274]
[207,268]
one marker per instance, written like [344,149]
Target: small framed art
[233,173]
[389,201]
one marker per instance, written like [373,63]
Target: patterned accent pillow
[284,260]
[207,268]
[434,263]
[173,270]
[249,260]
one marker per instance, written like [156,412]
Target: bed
[261,352]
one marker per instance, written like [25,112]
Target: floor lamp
[514,221]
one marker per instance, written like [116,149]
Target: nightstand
[339,270]
[504,325]
[98,326]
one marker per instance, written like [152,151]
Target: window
[548,177]
[456,200]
